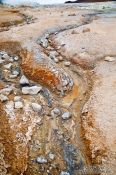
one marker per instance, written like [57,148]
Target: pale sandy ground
[93,46]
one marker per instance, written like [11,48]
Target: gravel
[66,115]
[36,107]
[41,160]
[33,90]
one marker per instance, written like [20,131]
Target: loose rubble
[3,98]
[24,80]
[36,107]
[18,105]
[41,160]
[33,90]
[66,115]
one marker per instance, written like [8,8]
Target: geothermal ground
[58,90]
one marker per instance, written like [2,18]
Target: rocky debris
[86,30]
[33,90]
[110,59]
[15,72]
[24,81]
[7,90]
[8,66]
[3,98]
[64,173]
[1,61]
[56,60]
[60,58]
[44,42]
[51,156]
[18,105]
[66,115]
[12,76]
[36,107]
[53,54]
[17,98]
[5,56]
[16,58]
[67,63]
[41,160]
[55,112]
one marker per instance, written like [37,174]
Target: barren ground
[69,52]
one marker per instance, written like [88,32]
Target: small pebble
[8,66]
[67,63]
[36,107]
[18,105]
[66,115]
[41,160]
[110,59]
[16,58]
[17,98]
[64,173]
[55,112]
[3,98]
[51,156]
[24,80]
[33,90]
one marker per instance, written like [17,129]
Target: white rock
[33,90]
[66,115]
[56,60]
[3,98]
[60,58]
[13,76]
[55,112]
[110,59]
[17,98]
[15,72]
[1,61]
[8,66]
[36,107]
[18,105]
[41,160]
[24,80]
[67,63]
[16,58]
[65,82]
[6,56]
[64,173]
[6,90]
[51,156]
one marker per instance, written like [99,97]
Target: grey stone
[51,156]
[8,66]
[6,56]
[16,58]
[55,112]
[41,160]
[3,98]
[64,173]
[13,76]
[18,105]
[17,98]
[7,90]
[24,80]
[36,107]
[66,115]
[1,61]
[67,63]
[33,90]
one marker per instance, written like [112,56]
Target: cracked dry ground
[60,118]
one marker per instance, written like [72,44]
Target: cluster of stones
[66,82]
[20,87]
